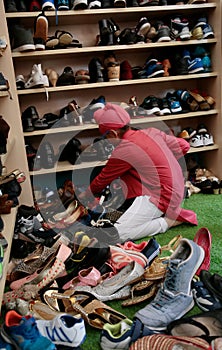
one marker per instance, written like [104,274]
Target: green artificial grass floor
[209,214]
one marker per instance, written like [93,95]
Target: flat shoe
[207,325]
[203,238]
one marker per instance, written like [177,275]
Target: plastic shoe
[36,78]
[204,299]
[40,31]
[22,39]
[22,333]
[174,298]
[48,5]
[64,330]
[122,334]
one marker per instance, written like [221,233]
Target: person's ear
[112,134]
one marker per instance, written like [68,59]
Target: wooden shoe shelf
[84,27]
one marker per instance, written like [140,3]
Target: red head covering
[111,117]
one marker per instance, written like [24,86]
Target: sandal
[65,38]
[140,292]
[207,325]
[93,311]
[203,104]
[156,270]
[172,245]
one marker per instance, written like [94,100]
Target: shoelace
[31,330]
[172,275]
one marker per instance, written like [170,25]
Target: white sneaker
[197,141]
[63,330]
[36,77]
[208,139]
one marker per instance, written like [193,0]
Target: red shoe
[204,239]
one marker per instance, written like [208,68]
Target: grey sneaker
[22,39]
[174,299]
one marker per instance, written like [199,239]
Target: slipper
[65,38]
[203,238]
[207,325]
[52,42]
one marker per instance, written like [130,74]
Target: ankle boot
[96,70]
[106,33]
[115,29]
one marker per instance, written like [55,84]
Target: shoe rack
[83,24]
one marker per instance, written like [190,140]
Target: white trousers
[140,220]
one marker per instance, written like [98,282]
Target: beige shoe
[113,71]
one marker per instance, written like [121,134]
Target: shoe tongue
[124,327]
[175,262]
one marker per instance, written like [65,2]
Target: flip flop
[65,38]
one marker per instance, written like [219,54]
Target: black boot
[116,30]
[96,70]
[106,33]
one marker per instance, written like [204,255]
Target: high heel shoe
[72,206]
[116,30]
[52,76]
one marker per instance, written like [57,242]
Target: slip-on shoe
[107,289]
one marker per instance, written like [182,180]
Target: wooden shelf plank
[91,49]
[120,83]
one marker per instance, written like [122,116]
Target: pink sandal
[86,277]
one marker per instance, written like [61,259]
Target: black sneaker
[95,104]
[151,106]
[22,39]
[163,32]
[66,78]
[30,151]
[180,65]
[4,85]
[163,106]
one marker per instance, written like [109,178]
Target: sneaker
[180,29]
[40,31]
[204,299]
[180,65]
[88,111]
[163,32]
[195,66]
[174,298]
[35,6]
[20,82]
[122,334]
[80,5]
[3,43]
[22,39]
[66,78]
[151,105]
[4,345]
[22,333]
[143,26]
[36,78]
[174,103]
[63,330]
[148,2]
[63,5]
[206,28]
[47,155]
[206,136]
[48,5]
[197,141]
[96,70]
[4,85]
[163,106]
[153,68]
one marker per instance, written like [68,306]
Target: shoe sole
[164,38]
[156,73]
[48,6]
[197,70]
[152,110]
[144,29]
[26,47]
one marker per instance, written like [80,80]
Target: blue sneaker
[154,68]
[195,66]
[174,103]
[4,345]
[23,334]
[203,297]
[63,5]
